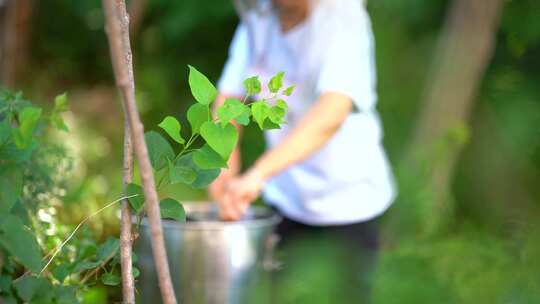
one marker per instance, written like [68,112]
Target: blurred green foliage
[487,255]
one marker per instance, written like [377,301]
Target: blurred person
[325,171]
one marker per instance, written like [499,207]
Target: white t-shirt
[349,180]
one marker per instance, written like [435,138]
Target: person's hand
[218,187]
[241,192]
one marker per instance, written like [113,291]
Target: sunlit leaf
[58,122]
[270,125]
[221,140]
[243,119]
[61,103]
[288,91]
[172,126]
[276,115]
[259,110]
[28,121]
[231,109]
[276,82]
[280,103]
[60,106]
[252,86]
[201,88]
[197,114]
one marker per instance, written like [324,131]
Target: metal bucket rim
[272,220]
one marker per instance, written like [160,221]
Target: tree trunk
[117,25]
[463,53]
[15,40]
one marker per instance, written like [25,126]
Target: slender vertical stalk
[126,240]
[117,26]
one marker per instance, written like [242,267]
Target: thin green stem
[186,146]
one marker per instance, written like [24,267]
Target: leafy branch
[199,166]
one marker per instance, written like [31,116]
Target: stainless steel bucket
[211,262]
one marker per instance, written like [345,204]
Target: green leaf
[60,103]
[231,109]
[65,294]
[288,91]
[61,272]
[110,279]
[28,120]
[136,272]
[136,202]
[5,132]
[35,290]
[270,125]
[280,103]
[27,287]
[8,149]
[58,122]
[276,115]
[181,174]
[60,106]
[204,177]
[201,88]
[11,187]
[171,209]
[85,265]
[252,86]
[207,158]
[243,119]
[5,283]
[20,242]
[108,249]
[259,110]
[276,82]
[222,140]
[197,114]
[158,149]
[172,127]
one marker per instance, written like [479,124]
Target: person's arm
[313,131]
